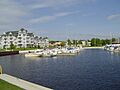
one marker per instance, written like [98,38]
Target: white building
[21,39]
[86,43]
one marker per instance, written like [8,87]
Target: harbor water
[91,69]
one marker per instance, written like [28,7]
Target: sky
[62,19]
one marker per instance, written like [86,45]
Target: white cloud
[49,18]
[88,14]
[57,3]
[113,17]
[11,14]
[16,14]
[11,8]
[42,19]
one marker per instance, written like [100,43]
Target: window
[19,41]
[11,38]
[5,42]
[19,37]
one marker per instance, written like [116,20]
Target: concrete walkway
[22,83]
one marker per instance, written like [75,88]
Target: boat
[32,55]
[36,53]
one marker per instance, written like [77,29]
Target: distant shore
[92,47]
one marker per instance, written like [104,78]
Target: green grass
[18,49]
[7,86]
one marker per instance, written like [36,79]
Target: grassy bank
[7,86]
[18,49]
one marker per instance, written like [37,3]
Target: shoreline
[6,53]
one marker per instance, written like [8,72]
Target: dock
[22,83]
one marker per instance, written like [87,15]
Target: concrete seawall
[22,83]
[5,53]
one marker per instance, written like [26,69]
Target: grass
[18,49]
[7,86]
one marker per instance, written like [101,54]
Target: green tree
[103,42]
[108,41]
[75,42]
[96,42]
[93,42]
[62,44]
[69,42]
[113,40]
[79,42]
[12,46]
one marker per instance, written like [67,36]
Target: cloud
[69,24]
[88,14]
[12,15]
[57,3]
[49,18]
[114,17]
[18,13]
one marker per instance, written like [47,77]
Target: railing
[0,70]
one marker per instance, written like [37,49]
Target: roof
[14,33]
[22,29]
[30,34]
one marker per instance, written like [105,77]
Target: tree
[93,42]
[113,40]
[12,46]
[75,42]
[103,42]
[62,44]
[79,42]
[108,41]
[96,42]
[69,42]
[99,42]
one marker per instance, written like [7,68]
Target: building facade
[22,39]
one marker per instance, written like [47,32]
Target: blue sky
[61,19]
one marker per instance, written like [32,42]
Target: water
[92,69]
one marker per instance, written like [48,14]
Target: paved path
[22,83]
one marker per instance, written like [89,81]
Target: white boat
[36,53]
[32,55]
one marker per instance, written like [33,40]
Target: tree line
[94,41]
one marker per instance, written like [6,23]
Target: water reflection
[90,70]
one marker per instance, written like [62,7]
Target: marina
[60,45]
[53,52]
[83,71]
[112,47]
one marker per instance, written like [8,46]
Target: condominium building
[22,39]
